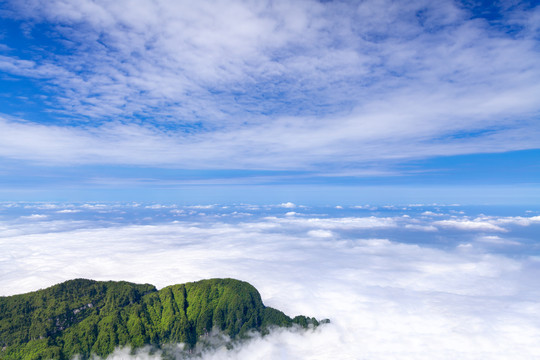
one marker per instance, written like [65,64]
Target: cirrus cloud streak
[273,85]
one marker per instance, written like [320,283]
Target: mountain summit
[84,317]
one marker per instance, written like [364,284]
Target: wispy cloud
[309,85]
[371,222]
[469,225]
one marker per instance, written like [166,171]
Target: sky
[124,101]
[375,163]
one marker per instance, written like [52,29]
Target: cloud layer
[387,296]
[274,85]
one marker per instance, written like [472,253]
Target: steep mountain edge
[84,317]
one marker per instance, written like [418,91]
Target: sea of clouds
[409,282]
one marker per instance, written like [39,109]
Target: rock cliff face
[84,317]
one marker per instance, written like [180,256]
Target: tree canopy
[84,317]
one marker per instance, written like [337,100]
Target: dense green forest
[85,317]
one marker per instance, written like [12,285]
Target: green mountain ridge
[85,317]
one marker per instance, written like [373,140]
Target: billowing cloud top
[395,281]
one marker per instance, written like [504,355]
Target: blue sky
[267,102]
[348,158]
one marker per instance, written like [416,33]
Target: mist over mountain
[425,281]
[374,162]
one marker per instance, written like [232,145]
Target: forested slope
[84,317]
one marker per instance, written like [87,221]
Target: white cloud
[159,206]
[200,206]
[497,240]
[28,225]
[320,233]
[345,223]
[431,213]
[421,227]
[514,220]
[42,206]
[337,80]
[288,205]
[383,297]
[34,217]
[94,206]
[366,207]
[469,225]
[487,223]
